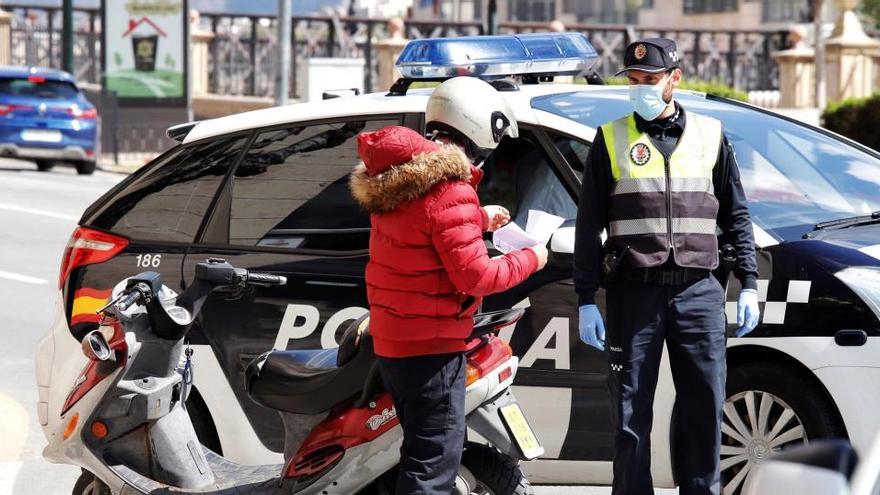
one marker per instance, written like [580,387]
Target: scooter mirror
[95,346]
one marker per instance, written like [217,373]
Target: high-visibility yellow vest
[661,204]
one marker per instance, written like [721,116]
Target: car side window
[168,203]
[520,176]
[573,150]
[291,189]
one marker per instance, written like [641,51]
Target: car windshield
[56,90]
[794,176]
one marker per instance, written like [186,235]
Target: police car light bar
[536,54]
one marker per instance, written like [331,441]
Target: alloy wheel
[755,425]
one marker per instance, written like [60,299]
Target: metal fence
[243,50]
[739,58]
[36,39]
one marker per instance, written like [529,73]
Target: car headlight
[865,282]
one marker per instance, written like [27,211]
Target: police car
[268,191]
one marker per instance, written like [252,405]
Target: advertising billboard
[145,50]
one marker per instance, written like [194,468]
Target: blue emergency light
[536,54]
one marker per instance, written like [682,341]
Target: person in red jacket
[429,270]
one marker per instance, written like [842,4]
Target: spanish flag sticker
[86,303]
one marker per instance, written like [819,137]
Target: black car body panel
[252,206]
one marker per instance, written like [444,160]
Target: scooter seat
[307,381]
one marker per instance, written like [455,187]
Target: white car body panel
[846,372]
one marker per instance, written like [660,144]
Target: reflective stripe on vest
[652,199]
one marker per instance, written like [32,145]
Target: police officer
[662,181]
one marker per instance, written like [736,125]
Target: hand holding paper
[539,228]
[498,217]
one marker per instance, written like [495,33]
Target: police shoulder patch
[640,153]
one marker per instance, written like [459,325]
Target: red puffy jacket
[429,267]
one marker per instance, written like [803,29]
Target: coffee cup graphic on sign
[145,47]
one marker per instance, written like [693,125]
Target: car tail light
[36,79]
[82,113]
[87,247]
[486,358]
[5,110]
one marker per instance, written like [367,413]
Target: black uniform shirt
[733,212]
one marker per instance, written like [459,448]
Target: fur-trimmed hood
[408,181]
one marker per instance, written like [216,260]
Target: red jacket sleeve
[456,223]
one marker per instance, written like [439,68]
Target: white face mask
[647,99]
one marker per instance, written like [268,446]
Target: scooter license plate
[519,427]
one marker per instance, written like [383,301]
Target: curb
[127,164]
[120,169]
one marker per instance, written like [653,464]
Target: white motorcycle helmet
[472,113]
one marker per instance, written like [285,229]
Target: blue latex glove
[591,327]
[747,312]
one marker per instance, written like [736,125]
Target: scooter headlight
[865,282]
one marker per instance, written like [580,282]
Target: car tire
[44,165]
[85,168]
[494,472]
[88,484]
[770,407]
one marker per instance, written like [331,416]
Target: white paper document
[540,226]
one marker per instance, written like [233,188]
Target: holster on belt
[612,264]
[727,259]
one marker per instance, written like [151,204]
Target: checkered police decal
[773,312]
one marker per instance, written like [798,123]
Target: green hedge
[855,118]
[708,87]
[714,88]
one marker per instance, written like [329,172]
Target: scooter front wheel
[489,472]
[88,484]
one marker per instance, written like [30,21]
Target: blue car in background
[44,117]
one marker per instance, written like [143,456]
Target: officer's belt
[665,276]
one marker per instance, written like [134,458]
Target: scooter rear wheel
[494,472]
[88,484]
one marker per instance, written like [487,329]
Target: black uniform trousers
[690,318]
[428,394]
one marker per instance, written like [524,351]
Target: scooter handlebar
[129,299]
[255,278]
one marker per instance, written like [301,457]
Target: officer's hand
[747,312]
[591,327]
[498,217]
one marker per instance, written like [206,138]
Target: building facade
[739,14]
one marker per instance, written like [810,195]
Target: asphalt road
[38,211]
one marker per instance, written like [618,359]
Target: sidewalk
[127,164]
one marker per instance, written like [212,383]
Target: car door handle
[327,283]
[851,338]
